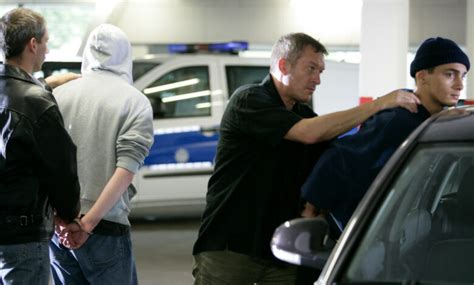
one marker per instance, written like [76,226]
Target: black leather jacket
[37,160]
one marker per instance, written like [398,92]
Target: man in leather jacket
[37,157]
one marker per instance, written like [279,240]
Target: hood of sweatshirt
[108,48]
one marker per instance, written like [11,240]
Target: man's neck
[427,101]
[282,92]
[18,62]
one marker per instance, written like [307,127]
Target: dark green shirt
[256,183]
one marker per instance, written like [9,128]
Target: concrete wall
[263,21]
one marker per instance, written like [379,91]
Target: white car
[188,93]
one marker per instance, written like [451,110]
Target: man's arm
[58,172]
[113,190]
[56,80]
[326,127]
[74,235]
[133,144]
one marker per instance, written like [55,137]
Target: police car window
[140,68]
[183,92]
[241,75]
[426,217]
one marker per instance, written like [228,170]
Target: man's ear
[283,66]
[32,45]
[421,76]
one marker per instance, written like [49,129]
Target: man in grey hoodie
[111,123]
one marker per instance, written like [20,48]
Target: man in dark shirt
[345,171]
[265,151]
[37,157]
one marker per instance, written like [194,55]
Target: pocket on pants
[103,251]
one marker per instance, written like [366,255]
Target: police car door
[188,102]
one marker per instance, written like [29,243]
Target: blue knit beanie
[437,51]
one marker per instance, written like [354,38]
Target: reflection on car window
[424,229]
[140,68]
[182,92]
[242,75]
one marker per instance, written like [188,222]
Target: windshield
[424,229]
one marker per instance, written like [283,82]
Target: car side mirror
[303,241]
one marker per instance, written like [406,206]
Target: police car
[188,88]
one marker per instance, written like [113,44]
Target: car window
[241,75]
[424,228]
[140,68]
[182,92]
[58,67]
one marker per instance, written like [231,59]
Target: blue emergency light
[228,47]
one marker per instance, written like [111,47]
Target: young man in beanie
[345,171]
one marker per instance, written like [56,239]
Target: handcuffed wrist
[78,222]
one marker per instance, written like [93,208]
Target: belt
[22,220]
[109,228]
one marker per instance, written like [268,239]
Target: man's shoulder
[397,115]
[254,95]
[401,116]
[397,111]
[29,94]
[39,100]
[385,123]
[33,105]
[247,89]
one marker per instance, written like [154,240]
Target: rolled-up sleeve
[135,139]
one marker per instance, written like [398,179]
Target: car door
[416,228]
[187,103]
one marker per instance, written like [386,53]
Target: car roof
[159,58]
[453,125]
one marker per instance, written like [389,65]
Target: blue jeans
[101,260]
[26,263]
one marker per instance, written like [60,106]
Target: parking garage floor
[163,250]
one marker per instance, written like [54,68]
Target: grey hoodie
[109,120]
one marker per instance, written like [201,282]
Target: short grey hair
[291,46]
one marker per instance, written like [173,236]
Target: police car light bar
[228,47]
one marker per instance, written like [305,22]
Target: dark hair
[17,27]
[291,47]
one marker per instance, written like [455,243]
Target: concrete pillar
[383,46]
[470,50]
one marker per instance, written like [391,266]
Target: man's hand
[70,235]
[399,98]
[56,80]
[75,236]
[309,211]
